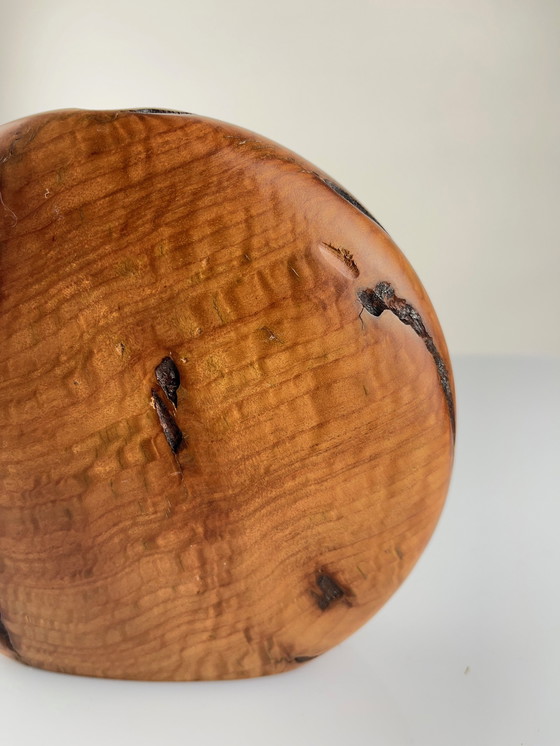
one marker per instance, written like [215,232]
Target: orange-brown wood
[314,444]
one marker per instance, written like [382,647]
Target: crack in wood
[345,257]
[171,430]
[304,658]
[337,189]
[382,298]
[157,111]
[167,375]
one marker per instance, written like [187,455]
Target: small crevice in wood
[337,189]
[345,257]
[157,111]
[382,298]
[171,430]
[270,335]
[167,375]
[304,658]
[330,591]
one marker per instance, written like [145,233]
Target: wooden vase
[226,403]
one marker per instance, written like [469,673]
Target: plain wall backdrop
[442,117]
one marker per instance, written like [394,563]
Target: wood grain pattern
[317,443]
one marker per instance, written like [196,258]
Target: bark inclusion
[169,380]
[383,298]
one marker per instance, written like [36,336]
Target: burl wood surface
[315,444]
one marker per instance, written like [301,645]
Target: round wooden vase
[226,403]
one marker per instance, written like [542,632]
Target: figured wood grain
[316,440]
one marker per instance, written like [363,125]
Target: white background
[441,116]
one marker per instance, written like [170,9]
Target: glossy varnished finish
[316,444]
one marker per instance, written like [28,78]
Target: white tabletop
[466,652]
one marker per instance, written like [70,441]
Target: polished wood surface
[216,461]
